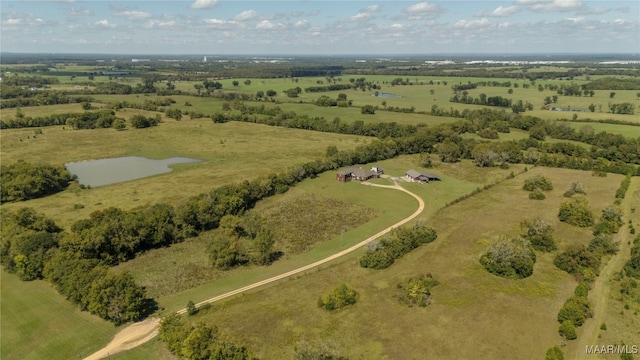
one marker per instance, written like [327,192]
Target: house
[358,173]
[416,176]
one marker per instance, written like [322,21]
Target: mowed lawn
[231,152]
[473,315]
[38,323]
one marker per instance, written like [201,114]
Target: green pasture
[504,318]
[231,152]
[38,323]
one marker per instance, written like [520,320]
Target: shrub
[576,310]
[488,133]
[575,188]
[568,330]
[537,195]
[603,244]
[416,291]
[191,308]
[576,259]
[537,182]
[582,289]
[610,221]
[540,234]
[340,297]
[368,109]
[509,257]
[554,353]
[575,211]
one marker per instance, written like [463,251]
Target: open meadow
[473,312]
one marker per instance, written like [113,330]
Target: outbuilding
[416,176]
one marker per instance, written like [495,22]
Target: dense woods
[34,247]
[23,181]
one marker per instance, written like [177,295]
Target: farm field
[473,314]
[287,315]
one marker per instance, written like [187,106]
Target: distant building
[358,173]
[421,177]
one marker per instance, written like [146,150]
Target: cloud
[133,14]
[301,24]
[372,8]
[360,17]
[79,12]
[204,4]
[473,24]
[157,24]
[502,11]
[551,5]
[13,22]
[422,10]
[103,24]
[246,15]
[268,25]
[221,24]
[575,20]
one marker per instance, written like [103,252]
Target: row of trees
[402,240]
[15,97]
[574,312]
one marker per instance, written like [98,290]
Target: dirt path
[141,332]
[130,337]
[599,295]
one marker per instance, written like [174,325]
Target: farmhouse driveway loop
[138,333]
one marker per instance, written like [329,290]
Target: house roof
[415,175]
[357,171]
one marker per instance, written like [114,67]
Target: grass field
[231,152]
[38,323]
[473,315]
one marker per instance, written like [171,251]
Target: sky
[309,27]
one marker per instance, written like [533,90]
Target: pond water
[388,95]
[110,171]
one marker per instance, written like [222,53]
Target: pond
[110,171]
[388,95]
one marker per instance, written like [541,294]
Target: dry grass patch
[299,220]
